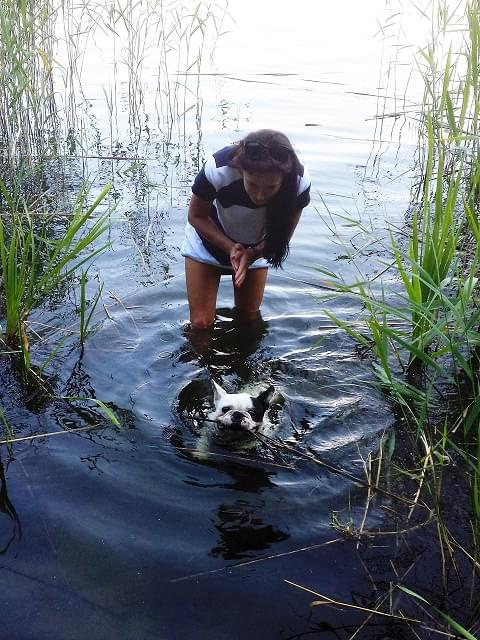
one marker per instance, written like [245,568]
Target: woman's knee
[202,286]
[201,319]
[247,315]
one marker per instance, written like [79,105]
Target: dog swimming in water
[237,412]
[235,421]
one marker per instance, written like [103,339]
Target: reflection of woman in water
[246,203]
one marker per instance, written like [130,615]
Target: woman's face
[260,187]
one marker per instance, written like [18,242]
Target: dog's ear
[266,396]
[218,392]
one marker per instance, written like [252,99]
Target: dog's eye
[226,408]
[252,412]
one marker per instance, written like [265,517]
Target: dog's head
[239,411]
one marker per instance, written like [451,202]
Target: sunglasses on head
[260,151]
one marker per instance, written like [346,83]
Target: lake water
[129,533]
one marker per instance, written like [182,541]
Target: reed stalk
[28,117]
[85,313]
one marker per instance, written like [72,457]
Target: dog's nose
[237,417]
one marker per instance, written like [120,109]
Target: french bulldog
[239,411]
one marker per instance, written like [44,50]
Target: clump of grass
[34,265]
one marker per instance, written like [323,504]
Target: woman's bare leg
[249,296]
[202,288]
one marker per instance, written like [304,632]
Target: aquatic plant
[422,329]
[35,264]
[425,328]
[458,628]
[28,116]
[85,318]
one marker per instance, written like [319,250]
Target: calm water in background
[129,534]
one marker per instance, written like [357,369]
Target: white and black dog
[235,420]
[239,412]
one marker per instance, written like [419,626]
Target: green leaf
[455,625]
[106,410]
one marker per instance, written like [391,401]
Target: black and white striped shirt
[238,217]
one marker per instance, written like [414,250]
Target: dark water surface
[135,533]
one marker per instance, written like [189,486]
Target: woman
[246,202]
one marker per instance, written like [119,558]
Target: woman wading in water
[246,202]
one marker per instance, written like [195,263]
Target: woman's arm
[295,220]
[242,258]
[199,217]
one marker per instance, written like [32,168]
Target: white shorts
[193,247]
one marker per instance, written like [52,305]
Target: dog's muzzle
[236,421]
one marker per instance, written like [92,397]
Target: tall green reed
[419,315]
[423,330]
[28,116]
[35,264]
[436,277]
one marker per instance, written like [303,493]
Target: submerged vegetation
[423,329]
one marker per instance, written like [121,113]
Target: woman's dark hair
[264,151]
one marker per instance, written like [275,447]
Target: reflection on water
[242,530]
[244,525]
[231,346]
[7,508]
[79,383]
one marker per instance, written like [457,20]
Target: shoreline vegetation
[50,234]
[422,332]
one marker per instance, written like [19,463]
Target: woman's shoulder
[223,156]
[304,181]
[217,169]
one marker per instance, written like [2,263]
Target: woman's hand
[241,258]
